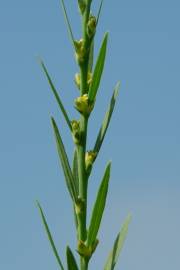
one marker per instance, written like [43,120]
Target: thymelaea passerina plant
[87,81]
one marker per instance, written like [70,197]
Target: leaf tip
[129,217]
[109,164]
[52,121]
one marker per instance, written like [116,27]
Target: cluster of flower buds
[83,105]
[89,159]
[76,131]
[86,251]
[77,80]
[80,51]
[91,26]
[82,6]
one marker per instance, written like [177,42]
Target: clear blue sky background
[143,140]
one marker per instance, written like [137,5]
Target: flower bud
[80,50]
[86,251]
[77,80]
[82,6]
[91,26]
[83,250]
[83,105]
[89,159]
[76,131]
[89,79]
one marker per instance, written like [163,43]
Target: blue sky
[142,142]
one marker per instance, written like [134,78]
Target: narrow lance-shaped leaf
[50,236]
[67,22]
[76,180]
[118,244]
[75,219]
[98,207]
[56,95]
[106,120]
[98,70]
[71,262]
[75,170]
[91,56]
[65,163]
[99,11]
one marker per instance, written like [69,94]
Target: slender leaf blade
[118,245]
[71,262]
[65,163]
[75,170]
[98,207]
[57,97]
[76,180]
[50,236]
[98,70]
[99,11]
[67,22]
[91,56]
[106,121]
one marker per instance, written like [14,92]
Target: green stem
[84,264]
[83,179]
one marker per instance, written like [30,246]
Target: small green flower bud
[82,6]
[91,26]
[89,79]
[76,132]
[77,80]
[86,251]
[83,105]
[80,51]
[83,250]
[89,159]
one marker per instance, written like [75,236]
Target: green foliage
[88,79]
[65,163]
[75,170]
[57,97]
[106,121]
[71,262]
[98,70]
[118,244]
[67,22]
[99,207]
[50,236]
[99,11]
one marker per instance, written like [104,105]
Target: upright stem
[83,179]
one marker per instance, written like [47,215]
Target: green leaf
[75,170]
[76,180]
[67,22]
[50,236]
[98,70]
[75,219]
[65,163]
[98,207]
[99,11]
[91,56]
[106,121]
[71,262]
[118,244]
[56,95]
